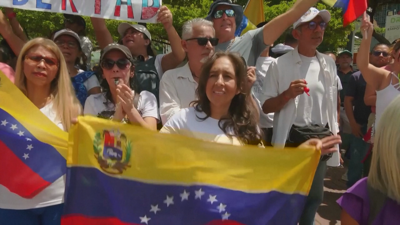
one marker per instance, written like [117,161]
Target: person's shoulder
[147,96]
[356,74]
[180,119]
[176,72]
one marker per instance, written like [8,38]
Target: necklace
[230,45]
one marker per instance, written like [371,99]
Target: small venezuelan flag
[122,174]
[351,9]
[244,26]
[32,148]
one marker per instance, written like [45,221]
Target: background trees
[43,24]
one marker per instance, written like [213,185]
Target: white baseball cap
[311,14]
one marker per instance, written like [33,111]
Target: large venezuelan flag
[120,174]
[351,9]
[32,148]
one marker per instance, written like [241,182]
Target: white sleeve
[270,83]
[157,64]
[169,101]
[89,108]
[147,105]
[92,82]
[175,125]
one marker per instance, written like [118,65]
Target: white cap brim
[324,14]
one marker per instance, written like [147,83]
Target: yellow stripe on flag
[14,102]
[254,11]
[171,159]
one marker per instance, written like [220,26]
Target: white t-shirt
[186,123]
[147,105]
[312,109]
[90,83]
[52,195]
[157,64]
[262,65]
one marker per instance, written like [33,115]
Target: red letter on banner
[97,7]
[64,5]
[117,11]
[149,11]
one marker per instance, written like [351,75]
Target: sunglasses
[378,53]
[69,44]
[228,12]
[108,64]
[38,58]
[313,25]
[202,41]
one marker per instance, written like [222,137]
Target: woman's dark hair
[241,121]
[106,88]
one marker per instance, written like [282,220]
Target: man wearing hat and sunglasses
[227,16]
[178,86]
[302,90]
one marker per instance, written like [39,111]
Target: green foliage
[43,24]
[336,36]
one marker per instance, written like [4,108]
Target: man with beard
[178,86]
[301,89]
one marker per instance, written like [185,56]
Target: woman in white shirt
[42,75]
[85,82]
[386,83]
[224,111]
[120,99]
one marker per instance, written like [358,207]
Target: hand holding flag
[367,28]
[351,9]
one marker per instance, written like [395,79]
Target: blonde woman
[42,75]
[376,200]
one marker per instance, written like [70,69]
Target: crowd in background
[216,87]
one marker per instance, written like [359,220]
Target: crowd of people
[221,88]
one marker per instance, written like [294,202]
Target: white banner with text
[134,10]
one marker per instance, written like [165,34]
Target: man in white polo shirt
[178,86]
[301,89]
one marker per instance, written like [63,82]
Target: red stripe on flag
[17,176]
[81,220]
[354,10]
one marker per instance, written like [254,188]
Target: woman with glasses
[42,75]
[121,100]
[85,83]
[386,83]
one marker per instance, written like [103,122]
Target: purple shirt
[356,203]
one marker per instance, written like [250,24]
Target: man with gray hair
[178,86]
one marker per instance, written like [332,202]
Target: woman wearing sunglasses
[42,75]
[121,100]
[85,83]
[138,40]
[386,83]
